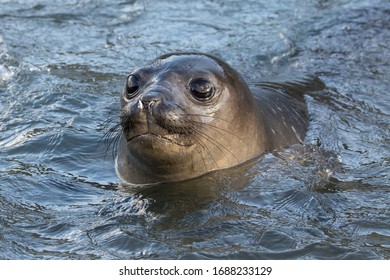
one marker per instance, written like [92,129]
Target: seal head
[185,115]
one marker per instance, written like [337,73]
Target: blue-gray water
[62,66]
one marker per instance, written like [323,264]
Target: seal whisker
[209,153]
[217,144]
[205,116]
[219,130]
[111,138]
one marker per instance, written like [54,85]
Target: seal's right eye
[132,86]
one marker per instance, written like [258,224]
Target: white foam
[5,73]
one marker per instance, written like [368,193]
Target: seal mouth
[150,132]
[176,139]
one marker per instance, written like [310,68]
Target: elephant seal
[187,114]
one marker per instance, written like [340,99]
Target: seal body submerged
[187,114]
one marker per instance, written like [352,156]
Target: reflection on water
[62,67]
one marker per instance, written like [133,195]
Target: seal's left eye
[132,85]
[202,89]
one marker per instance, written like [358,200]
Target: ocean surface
[62,67]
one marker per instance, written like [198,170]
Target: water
[62,66]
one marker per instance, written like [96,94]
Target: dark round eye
[202,89]
[132,85]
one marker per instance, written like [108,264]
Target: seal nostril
[150,98]
[148,103]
